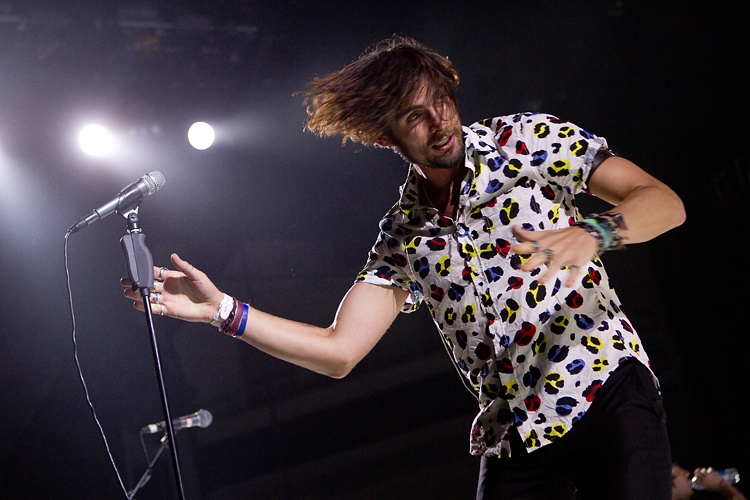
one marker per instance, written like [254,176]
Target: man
[482,234]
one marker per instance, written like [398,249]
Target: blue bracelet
[606,229]
[243,322]
[605,233]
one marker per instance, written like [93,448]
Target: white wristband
[225,308]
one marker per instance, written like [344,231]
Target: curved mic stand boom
[140,265]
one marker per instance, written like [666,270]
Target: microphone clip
[138,258]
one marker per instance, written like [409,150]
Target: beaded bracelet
[606,229]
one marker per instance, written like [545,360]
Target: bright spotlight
[95,140]
[201,135]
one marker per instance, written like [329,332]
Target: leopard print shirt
[533,354]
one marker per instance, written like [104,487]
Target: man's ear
[384,142]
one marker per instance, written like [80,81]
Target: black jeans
[619,450]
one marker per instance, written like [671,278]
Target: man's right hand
[185,293]
[363,316]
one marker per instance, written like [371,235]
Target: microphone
[128,198]
[201,418]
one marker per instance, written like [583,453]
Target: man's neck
[441,188]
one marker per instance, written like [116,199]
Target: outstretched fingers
[186,269]
[157,297]
[559,249]
[183,292]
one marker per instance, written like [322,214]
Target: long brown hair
[360,101]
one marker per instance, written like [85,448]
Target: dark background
[285,219]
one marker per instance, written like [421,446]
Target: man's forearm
[648,206]
[364,315]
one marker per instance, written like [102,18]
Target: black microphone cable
[80,371]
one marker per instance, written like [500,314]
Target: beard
[454,159]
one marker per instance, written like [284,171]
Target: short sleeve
[563,151]
[387,266]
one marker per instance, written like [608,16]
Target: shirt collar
[474,142]
[410,190]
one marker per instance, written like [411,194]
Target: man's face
[681,487]
[428,132]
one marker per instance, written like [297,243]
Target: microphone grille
[154,180]
[205,418]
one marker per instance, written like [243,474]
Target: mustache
[446,133]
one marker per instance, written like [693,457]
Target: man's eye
[413,117]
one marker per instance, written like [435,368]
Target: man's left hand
[570,247]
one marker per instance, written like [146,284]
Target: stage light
[95,140]
[201,135]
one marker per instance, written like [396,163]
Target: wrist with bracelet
[606,229]
[231,318]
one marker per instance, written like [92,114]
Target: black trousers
[618,451]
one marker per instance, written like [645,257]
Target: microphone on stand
[127,199]
[201,418]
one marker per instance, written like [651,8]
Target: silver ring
[537,245]
[162,310]
[549,253]
[161,273]
[155,296]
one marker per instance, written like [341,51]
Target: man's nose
[435,117]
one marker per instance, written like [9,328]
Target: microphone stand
[140,265]
[147,475]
